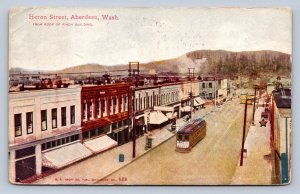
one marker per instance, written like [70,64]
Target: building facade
[105,111]
[145,99]
[209,87]
[281,127]
[41,122]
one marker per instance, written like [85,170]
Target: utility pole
[191,75]
[215,103]
[133,122]
[244,132]
[255,88]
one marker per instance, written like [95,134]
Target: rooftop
[192,126]
[283,98]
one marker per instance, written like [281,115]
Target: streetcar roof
[191,126]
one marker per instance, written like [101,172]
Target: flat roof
[283,98]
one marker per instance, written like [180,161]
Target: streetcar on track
[189,135]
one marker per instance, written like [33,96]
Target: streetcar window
[179,137]
[186,137]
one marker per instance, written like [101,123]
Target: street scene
[177,115]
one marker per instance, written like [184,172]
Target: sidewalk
[97,167]
[257,167]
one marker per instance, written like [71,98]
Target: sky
[140,34]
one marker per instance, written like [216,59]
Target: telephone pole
[255,88]
[244,132]
[133,122]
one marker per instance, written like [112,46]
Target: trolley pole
[255,88]
[244,132]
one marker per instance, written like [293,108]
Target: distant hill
[246,62]
[85,68]
[205,62]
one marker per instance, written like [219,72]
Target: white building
[41,122]
[209,87]
[169,94]
[281,123]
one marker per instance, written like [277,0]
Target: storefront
[140,125]
[120,131]
[25,163]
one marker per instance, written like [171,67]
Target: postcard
[150,96]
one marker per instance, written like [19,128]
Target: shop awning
[199,101]
[100,144]
[65,155]
[171,115]
[157,117]
[186,109]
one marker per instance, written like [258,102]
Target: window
[72,114]
[84,110]
[121,103]
[186,137]
[203,85]
[25,152]
[44,120]
[54,118]
[93,133]
[103,106]
[74,138]
[179,137]
[100,130]
[113,105]
[91,111]
[86,135]
[210,85]
[18,125]
[29,122]
[98,107]
[63,116]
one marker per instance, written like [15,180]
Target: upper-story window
[72,114]
[210,84]
[114,105]
[84,112]
[98,107]
[18,125]
[63,116]
[126,103]
[103,107]
[203,85]
[121,104]
[44,120]
[54,118]
[29,122]
[91,111]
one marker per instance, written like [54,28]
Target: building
[105,113]
[146,97]
[44,130]
[281,127]
[209,87]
